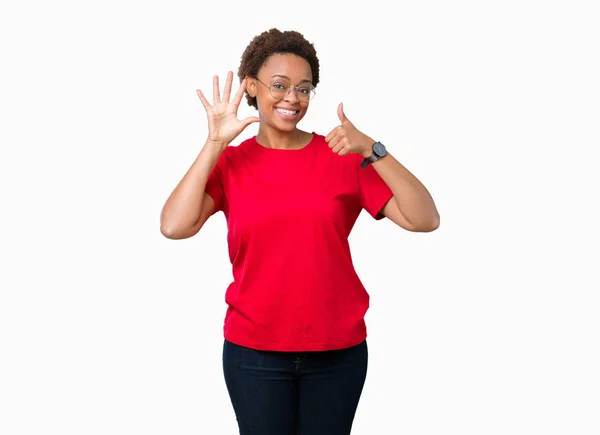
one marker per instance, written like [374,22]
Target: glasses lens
[280,90]
[305,92]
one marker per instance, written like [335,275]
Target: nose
[291,95]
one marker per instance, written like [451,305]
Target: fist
[347,139]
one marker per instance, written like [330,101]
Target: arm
[189,206]
[412,207]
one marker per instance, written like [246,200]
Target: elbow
[169,227]
[429,226]
[432,227]
[434,224]
[174,234]
[168,232]
[166,228]
[177,231]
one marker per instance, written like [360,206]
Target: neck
[287,140]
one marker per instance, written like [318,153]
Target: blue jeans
[294,393]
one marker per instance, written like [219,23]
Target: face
[281,71]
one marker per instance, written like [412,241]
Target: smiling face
[281,71]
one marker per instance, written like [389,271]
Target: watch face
[379,149]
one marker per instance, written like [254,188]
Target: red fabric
[289,214]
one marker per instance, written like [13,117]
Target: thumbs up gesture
[347,139]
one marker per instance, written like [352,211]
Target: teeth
[286,112]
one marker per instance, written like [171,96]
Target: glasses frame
[287,92]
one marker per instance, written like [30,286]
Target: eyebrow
[286,77]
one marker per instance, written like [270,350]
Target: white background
[488,325]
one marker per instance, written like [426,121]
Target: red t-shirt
[289,214]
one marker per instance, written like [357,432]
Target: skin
[273,131]
[412,207]
[188,207]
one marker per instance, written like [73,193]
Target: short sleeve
[214,184]
[374,192]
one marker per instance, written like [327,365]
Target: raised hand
[346,138]
[223,123]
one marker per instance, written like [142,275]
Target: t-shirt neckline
[283,150]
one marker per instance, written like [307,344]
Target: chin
[288,127]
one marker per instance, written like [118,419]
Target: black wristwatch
[379,151]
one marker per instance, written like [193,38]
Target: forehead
[290,65]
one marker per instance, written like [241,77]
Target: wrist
[211,151]
[377,152]
[368,150]
[216,144]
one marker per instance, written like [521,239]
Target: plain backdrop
[488,325]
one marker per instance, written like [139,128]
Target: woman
[295,352]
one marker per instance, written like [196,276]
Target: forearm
[413,199]
[184,206]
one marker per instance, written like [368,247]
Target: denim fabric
[294,393]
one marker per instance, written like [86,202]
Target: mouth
[287,114]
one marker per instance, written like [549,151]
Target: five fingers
[226,92]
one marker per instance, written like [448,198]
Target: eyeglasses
[279,91]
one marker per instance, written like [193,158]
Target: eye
[304,91]
[279,86]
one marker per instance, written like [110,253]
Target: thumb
[250,120]
[341,113]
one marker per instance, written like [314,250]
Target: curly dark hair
[271,42]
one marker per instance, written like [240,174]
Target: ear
[251,86]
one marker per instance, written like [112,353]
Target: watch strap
[368,160]
[371,159]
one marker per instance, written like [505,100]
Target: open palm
[223,123]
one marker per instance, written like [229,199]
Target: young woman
[295,352]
